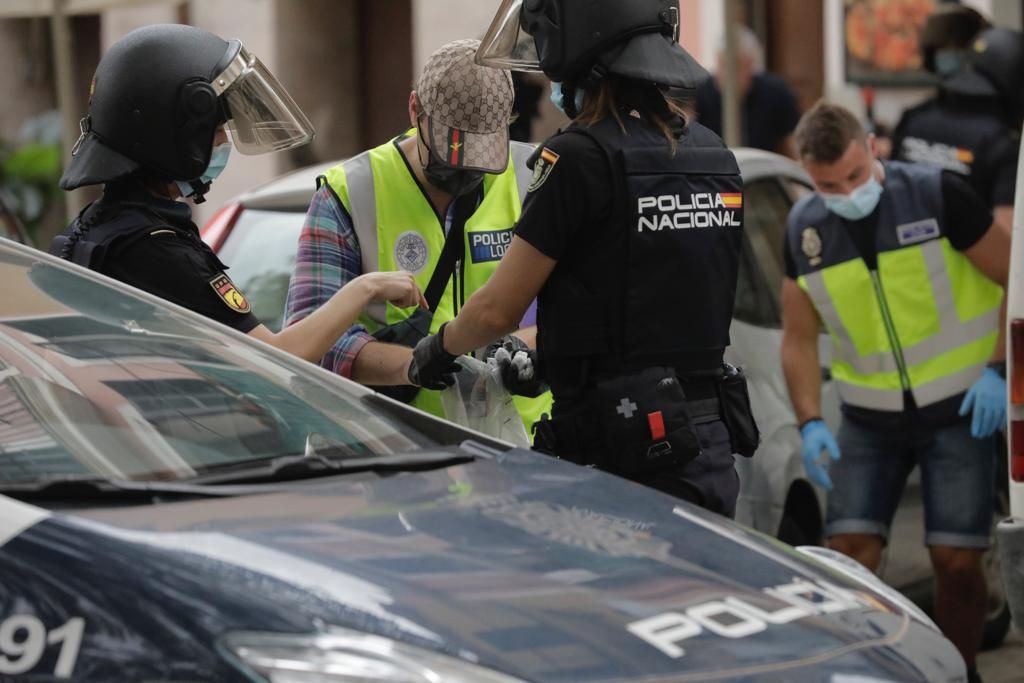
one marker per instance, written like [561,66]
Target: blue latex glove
[987,398]
[818,438]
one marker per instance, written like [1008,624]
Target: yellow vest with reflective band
[398,229]
[926,321]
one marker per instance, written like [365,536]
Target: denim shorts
[957,481]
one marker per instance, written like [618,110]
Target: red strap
[657,424]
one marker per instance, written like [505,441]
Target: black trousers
[709,480]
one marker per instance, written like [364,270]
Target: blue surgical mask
[558,97]
[856,205]
[948,62]
[218,162]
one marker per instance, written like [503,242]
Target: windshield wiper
[89,488]
[289,467]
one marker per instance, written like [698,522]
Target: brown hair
[653,105]
[826,131]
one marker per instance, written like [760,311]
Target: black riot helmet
[996,62]
[158,97]
[581,41]
[950,27]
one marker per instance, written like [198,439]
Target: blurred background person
[971,126]
[770,109]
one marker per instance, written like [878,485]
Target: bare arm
[800,326]
[495,309]
[991,255]
[314,335]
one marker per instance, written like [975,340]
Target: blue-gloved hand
[987,398]
[817,438]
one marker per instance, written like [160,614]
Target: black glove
[532,387]
[432,367]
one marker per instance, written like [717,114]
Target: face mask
[558,97]
[454,181]
[856,205]
[218,162]
[948,62]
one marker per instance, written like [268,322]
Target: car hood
[534,567]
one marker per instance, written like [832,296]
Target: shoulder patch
[542,168]
[229,294]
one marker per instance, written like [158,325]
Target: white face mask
[858,204]
[218,162]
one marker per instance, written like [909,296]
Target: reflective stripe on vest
[398,229]
[945,314]
[926,321]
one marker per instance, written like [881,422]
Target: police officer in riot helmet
[971,127]
[168,104]
[630,238]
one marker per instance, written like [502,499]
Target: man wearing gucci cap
[455,178]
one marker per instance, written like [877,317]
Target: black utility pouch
[734,402]
[408,332]
[645,422]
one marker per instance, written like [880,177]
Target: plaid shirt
[328,259]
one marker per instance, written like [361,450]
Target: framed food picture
[882,38]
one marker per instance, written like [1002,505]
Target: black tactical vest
[954,135]
[656,285]
[110,225]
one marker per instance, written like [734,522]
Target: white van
[1010,532]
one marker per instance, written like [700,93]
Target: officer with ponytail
[630,236]
[169,103]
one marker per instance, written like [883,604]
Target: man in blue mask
[904,267]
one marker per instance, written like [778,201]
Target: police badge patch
[411,252]
[542,168]
[229,294]
[811,244]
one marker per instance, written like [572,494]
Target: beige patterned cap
[467,107]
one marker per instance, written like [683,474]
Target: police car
[257,234]
[179,503]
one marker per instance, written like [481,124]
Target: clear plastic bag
[479,401]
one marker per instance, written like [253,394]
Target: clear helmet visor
[506,45]
[262,115]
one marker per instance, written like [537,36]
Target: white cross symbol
[626,408]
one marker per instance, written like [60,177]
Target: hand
[817,438]
[517,363]
[398,288]
[987,398]
[431,366]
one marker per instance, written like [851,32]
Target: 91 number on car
[24,639]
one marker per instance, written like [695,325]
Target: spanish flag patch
[732,200]
[229,294]
[542,168]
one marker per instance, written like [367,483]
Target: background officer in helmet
[163,99]
[630,215]
[969,127]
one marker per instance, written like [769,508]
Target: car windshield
[261,253]
[97,381]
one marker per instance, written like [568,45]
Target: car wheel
[791,533]
[997,614]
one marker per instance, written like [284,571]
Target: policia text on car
[163,100]
[630,208]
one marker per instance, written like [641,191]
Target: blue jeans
[957,481]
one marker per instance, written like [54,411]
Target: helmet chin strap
[199,190]
[598,72]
